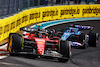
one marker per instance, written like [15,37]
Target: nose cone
[40,45]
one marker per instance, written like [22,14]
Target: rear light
[40,52]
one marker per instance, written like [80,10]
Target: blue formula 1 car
[79,35]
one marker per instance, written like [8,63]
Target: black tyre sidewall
[92,39]
[64,50]
[17,41]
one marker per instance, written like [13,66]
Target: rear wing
[33,29]
[82,27]
[28,29]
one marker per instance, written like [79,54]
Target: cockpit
[72,30]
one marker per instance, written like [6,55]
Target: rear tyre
[15,43]
[65,50]
[93,39]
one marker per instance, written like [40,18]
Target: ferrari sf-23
[39,42]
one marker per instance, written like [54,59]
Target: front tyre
[15,43]
[65,50]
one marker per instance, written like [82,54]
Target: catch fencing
[10,7]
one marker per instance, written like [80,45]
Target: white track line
[2,57]
[4,47]
[5,63]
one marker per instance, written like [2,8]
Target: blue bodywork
[69,32]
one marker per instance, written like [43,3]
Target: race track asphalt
[89,57]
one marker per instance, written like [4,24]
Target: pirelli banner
[14,23]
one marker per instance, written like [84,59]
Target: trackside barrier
[35,15]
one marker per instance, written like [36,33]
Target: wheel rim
[85,41]
[97,38]
[10,45]
[70,50]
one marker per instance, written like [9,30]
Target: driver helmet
[72,30]
[39,28]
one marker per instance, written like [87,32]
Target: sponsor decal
[40,45]
[50,13]
[34,15]
[24,18]
[89,10]
[70,11]
[75,43]
[41,40]
[83,27]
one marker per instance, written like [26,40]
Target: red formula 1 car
[39,43]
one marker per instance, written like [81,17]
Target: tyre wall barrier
[35,15]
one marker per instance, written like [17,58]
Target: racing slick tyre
[15,43]
[83,40]
[65,50]
[93,39]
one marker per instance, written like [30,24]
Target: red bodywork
[40,42]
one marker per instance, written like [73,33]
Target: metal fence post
[68,2]
[15,9]
[2,5]
[28,3]
[52,2]
[20,6]
[5,7]
[0,8]
[38,3]
[33,2]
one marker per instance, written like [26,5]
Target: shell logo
[40,42]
